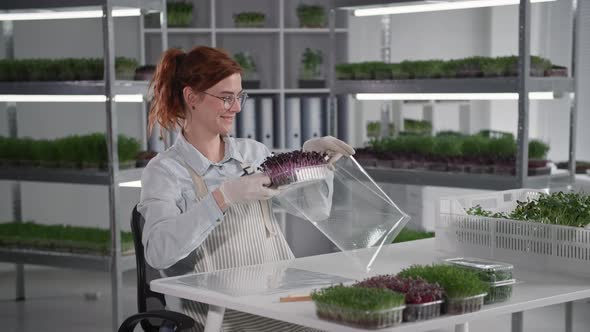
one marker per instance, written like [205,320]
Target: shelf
[361,3]
[179,30]
[71,88]
[307,91]
[73,176]
[248,30]
[262,91]
[353,4]
[245,30]
[461,180]
[453,85]
[130,174]
[64,259]
[155,5]
[310,30]
[287,91]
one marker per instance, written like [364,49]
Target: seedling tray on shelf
[58,238]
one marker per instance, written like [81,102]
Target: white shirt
[175,223]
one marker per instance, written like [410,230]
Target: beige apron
[247,236]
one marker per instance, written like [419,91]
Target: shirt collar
[196,160]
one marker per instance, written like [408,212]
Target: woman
[200,213]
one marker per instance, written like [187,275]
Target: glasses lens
[242,98]
[228,102]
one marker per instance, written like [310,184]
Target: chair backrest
[146,299]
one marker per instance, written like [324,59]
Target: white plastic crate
[523,243]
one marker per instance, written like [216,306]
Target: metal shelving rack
[115,262]
[523,84]
[214,30]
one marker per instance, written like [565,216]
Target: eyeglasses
[228,101]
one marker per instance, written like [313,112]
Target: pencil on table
[295,298]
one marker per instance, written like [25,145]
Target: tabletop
[257,289]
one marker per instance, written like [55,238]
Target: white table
[536,290]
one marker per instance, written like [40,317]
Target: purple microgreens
[281,168]
[416,290]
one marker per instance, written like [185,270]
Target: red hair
[201,68]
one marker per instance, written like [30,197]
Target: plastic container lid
[480,264]
[508,282]
[349,208]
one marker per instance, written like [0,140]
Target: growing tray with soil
[581,166]
[78,152]
[370,308]
[463,290]
[295,168]
[423,299]
[559,208]
[61,238]
[472,67]
[476,154]
[67,69]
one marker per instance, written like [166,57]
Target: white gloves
[247,188]
[334,147]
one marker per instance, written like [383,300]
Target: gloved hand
[247,188]
[334,147]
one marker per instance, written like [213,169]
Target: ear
[190,97]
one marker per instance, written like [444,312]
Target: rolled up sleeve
[170,234]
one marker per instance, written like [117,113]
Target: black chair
[151,306]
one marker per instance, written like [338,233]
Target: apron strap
[198,181]
[270,230]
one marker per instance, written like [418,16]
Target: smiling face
[208,112]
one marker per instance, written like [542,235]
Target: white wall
[49,203]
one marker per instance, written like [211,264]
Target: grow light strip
[131,184]
[435,6]
[60,15]
[451,96]
[69,98]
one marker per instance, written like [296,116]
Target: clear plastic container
[488,271]
[300,176]
[360,318]
[499,291]
[464,305]
[423,311]
[349,208]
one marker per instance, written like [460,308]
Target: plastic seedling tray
[423,311]
[464,305]
[488,271]
[361,318]
[300,176]
[499,291]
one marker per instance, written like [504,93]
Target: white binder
[265,122]
[247,120]
[311,118]
[293,123]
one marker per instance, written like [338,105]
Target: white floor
[56,301]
